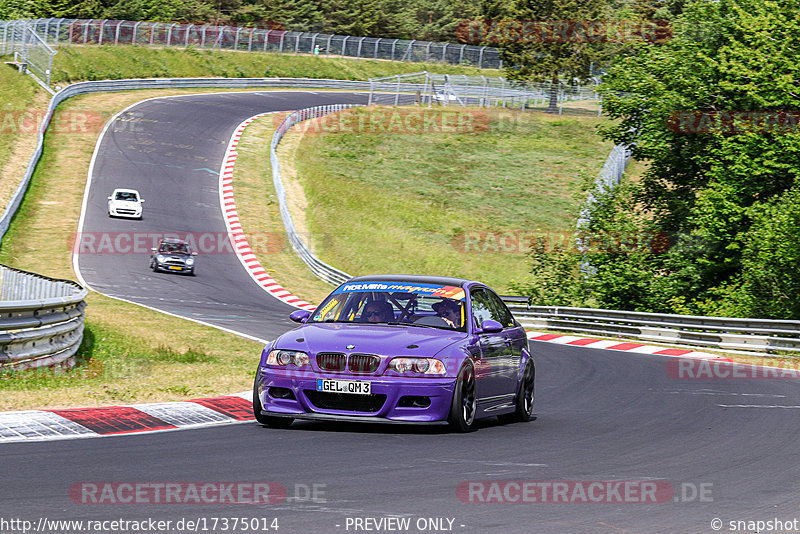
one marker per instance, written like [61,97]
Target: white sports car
[125,203]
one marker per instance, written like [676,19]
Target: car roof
[418,279]
[126,191]
[165,240]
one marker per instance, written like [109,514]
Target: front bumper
[176,268]
[383,407]
[125,212]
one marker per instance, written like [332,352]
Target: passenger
[378,311]
[450,311]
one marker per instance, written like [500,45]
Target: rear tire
[524,409]
[464,405]
[267,420]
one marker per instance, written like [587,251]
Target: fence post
[86,31]
[394,45]
[480,58]
[358,54]
[169,34]
[344,43]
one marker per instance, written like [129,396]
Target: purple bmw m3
[399,349]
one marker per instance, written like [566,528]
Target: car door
[514,339]
[492,370]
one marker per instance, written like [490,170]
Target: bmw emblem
[350,347]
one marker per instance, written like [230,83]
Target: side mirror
[300,316]
[109,198]
[153,250]
[490,327]
[141,200]
[194,253]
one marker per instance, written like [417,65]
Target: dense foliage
[434,20]
[713,113]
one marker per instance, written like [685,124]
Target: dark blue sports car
[399,349]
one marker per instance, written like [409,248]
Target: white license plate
[355,387]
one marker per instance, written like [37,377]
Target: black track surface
[601,416]
[171,149]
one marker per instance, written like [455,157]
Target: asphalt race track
[171,149]
[721,449]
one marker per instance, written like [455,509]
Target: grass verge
[22,106]
[76,63]
[440,202]
[130,354]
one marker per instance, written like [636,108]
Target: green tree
[706,183]
[545,41]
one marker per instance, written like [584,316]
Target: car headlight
[190,261]
[160,257]
[288,357]
[423,366]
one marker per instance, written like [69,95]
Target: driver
[378,311]
[450,311]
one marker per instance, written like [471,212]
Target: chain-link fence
[31,51]
[121,32]
[484,91]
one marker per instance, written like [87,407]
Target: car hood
[389,340]
[125,203]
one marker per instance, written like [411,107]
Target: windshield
[425,305]
[174,248]
[126,196]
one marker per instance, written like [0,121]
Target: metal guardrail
[41,320]
[205,36]
[324,271]
[759,335]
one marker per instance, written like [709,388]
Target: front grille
[363,363]
[175,261]
[126,211]
[331,361]
[345,402]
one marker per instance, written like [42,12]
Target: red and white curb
[239,239]
[609,344]
[44,425]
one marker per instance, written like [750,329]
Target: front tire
[267,420]
[524,409]
[464,405]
